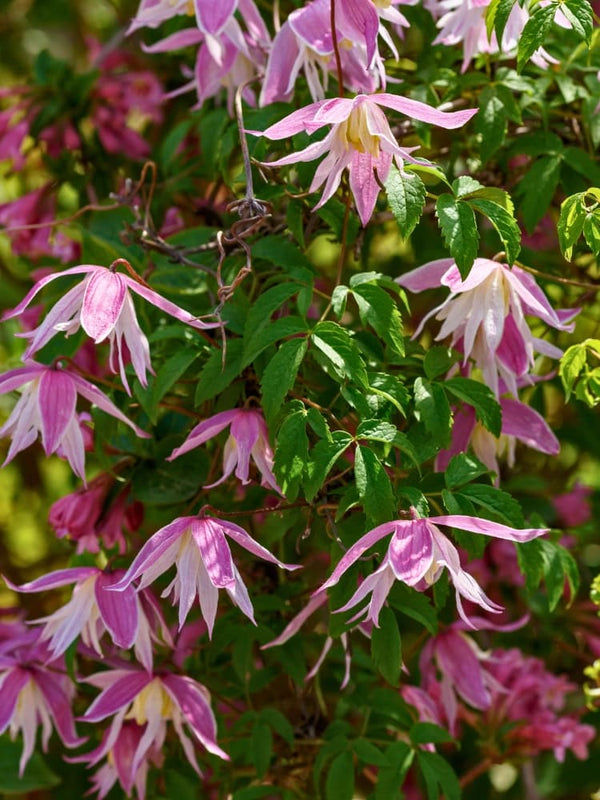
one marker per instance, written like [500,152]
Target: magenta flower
[151,700]
[93,610]
[484,316]
[102,306]
[573,507]
[198,548]
[120,747]
[519,423]
[360,140]
[417,554]
[35,693]
[47,407]
[248,437]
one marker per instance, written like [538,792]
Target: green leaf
[496,501]
[465,186]
[438,774]
[496,17]
[374,486]
[572,365]
[368,753]
[389,779]
[336,344]
[428,733]
[463,468]
[36,777]
[415,605]
[433,410]
[459,229]
[280,724]
[504,223]
[280,375]
[537,189]
[579,13]
[160,482]
[438,361]
[321,460]
[379,310]
[261,748]
[339,299]
[167,375]
[340,778]
[490,123]
[483,400]
[534,33]
[591,232]
[291,453]
[386,646]
[570,223]
[219,371]
[406,195]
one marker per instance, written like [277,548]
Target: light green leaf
[438,775]
[432,408]
[481,397]
[504,223]
[406,195]
[535,31]
[291,452]
[374,486]
[380,311]
[321,460]
[336,344]
[280,375]
[490,123]
[580,15]
[340,778]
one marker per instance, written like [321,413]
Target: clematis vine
[47,408]
[360,140]
[102,305]
[198,548]
[130,618]
[151,700]
[248,437]
[484,316]
[417,554]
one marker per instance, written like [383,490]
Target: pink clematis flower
[96,514]
[360,140]
[35,693]
[93,610]
[573,507]
[248,437]
[519,423]
[102,306]
[485,316]
[151,700]
[198,548]
[119,747]
[417,554]
[47,407]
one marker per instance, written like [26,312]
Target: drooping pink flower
[119,747]
[37,209]
[416,555]
[198,547]
[94,610]
[102,305]
[573,508]
[33,693]
[95,515]
[360,140]
[484,316]
[248,437]
[47,408]
[151,700]
[520,423]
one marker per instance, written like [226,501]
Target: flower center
[151,701]
[355,133]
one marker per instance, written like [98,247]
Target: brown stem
[336,50]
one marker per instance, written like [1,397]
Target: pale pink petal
[488,528]
[204,431]
[315,602]
[244,539]
[212,16]
[358,548]
[18,309]
[98,398]
[165,305]
[216,555]
[424,113]
[239,595]
[429,276]
[282,67]
[102,303]
[301,120]
[528,426]
[119,611]
[184,38]
[57,398]
[245,432]
[194,702]
[118,694]
[10,689]
[53,580]
[410,552]
[361,19]
[60,707]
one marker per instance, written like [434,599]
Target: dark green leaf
[415,605]
[291,453]
[495,500]
[374,486]
[261,748]
[406,195]
[215,375]
[496,17]
[537,188]
[534,33]
[505,224]
[570,223]
[463,468]
[340,778]
[432,408]
[380,311]
[483,400]
[459,229]
[427,732]
[437,361]
[368,753]
[490,123]
[167,375]
[37,775]
[280,375]
[321,459]
[336,344]
[579,13]
[386,646]
[438,775]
